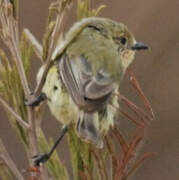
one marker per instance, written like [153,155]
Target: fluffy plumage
[87,69]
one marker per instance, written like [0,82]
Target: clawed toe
[40,159]
[36,101]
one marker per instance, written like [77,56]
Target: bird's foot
[40,159]
[37,100]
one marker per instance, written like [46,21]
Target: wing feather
[90,92]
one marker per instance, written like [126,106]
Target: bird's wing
[90,92]
[87,90]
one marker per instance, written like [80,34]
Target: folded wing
[89,91]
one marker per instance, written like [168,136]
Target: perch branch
[10,34]
[55,34]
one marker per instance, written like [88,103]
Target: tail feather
[86,129]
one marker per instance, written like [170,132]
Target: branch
[144,117]
[53,42]
[37,46]
[136,86]
[138,164]
[18,59]
[9,109]
[137,110]
[127,115]
[9,162]
[10,36]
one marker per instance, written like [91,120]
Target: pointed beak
[139,46]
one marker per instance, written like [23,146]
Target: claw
[37,100]
[40,159]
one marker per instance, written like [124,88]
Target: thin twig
[53,43]
[9,109]
[98,162]
[134,146]
[122,141]
[137,110]
[128,116]
[138,164]
[119,169]
[9,162]
[12,34]
[17,56]
[37,46]
[136,85]
[11,37]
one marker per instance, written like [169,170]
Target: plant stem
[53,44]
[9,109]
[9,162]
[37,46]
[18,60]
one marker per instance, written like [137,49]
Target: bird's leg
[37,100]
[42,158]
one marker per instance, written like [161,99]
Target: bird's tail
[87,129]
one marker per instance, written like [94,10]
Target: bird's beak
[139,46]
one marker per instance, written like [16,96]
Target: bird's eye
[123,40]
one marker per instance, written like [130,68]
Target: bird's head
[117,32]
[122,37]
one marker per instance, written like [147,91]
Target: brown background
[156,23]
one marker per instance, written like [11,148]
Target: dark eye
[55,88]
[123,40]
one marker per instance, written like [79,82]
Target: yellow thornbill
[86,70]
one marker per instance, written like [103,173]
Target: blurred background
[155,23]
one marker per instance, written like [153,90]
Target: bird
[86,71]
